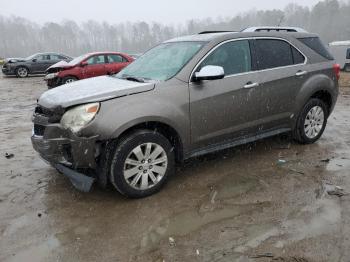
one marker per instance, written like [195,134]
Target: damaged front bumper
[65,151]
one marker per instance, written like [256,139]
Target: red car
[86,66]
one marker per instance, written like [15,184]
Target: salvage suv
[184,98]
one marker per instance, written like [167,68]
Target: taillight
[336,69]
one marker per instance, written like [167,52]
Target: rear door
[282,72]
[225,109]
[115,63]
[96,66]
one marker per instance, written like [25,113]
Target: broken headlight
[78,117]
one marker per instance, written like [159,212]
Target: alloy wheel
[145,166]
[22,72]
[314,122]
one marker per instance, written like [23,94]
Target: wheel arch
[318,86]
[163,128]
[25,66]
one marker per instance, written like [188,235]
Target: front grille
[54,116]
[39,130]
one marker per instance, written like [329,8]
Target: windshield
[31,57]
[78,59]
[162,62]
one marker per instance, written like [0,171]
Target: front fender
[118,115]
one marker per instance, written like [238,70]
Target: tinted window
[273,53]
[298,58]
[348,54]
[115,59]
[315,44]
[96,60]
[234,57]
[57,57]
[43,57]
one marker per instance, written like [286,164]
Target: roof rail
[274,28]
[215,32]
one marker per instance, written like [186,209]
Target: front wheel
[68,80]
[141,164]
[22,72]
[311,122]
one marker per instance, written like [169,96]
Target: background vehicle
[186,97]
[86,66]
[34,64]
[341,52]
[135,56]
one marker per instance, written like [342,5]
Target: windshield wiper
[133,78]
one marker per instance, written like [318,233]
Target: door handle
[251,85]
[301,73]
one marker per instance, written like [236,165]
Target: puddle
[37,253]
[339,164]
[190,221]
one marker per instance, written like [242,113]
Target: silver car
[186,97]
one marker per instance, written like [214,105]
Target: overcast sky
[166,11]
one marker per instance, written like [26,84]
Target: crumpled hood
[91,90]
[60,65]
[14,60]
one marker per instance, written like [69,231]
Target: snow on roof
[340,43]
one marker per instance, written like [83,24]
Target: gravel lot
[230,206]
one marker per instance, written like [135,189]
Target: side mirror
[35,60]
[210,73]
[84,63]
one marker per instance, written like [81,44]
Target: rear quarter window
[315,44]
[348,54]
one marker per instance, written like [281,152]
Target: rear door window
[298,58]
[348,54]
[234,57]
[315,44]
[115,59]
[272,53]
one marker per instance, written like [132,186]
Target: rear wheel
[141,164]
[311,122]
[347,68]
[22,72]
[69,79]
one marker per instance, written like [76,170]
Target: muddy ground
[229,206]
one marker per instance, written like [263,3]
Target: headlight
[50,76]
[78,117]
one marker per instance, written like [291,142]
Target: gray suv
[184,98]
[34,64]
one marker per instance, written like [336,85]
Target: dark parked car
[184,98]
[86,66]
[34,64]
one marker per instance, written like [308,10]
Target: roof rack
[274,28]
[215,32]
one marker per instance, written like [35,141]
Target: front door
[227,108]
[95,66]
[40,63]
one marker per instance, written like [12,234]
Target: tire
[311,122]
[22,72]
[68,80]
[347,68]
[141,176]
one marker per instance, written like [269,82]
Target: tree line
[21,37]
